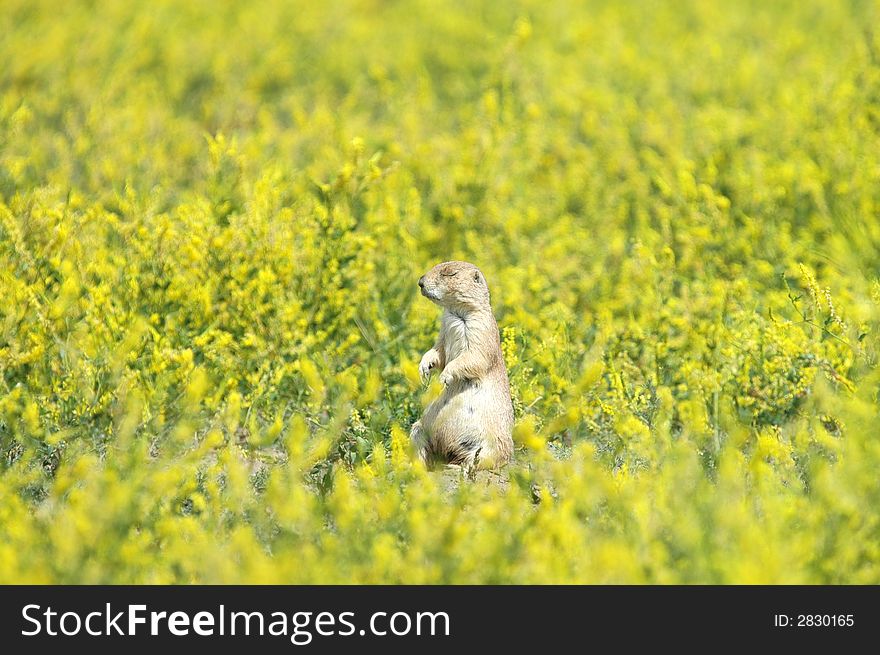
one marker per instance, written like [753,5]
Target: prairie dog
[471,422]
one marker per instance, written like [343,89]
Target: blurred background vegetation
[213,216]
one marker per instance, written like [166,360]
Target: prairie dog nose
[422,282]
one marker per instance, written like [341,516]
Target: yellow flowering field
[213,216]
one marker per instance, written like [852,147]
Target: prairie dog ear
[477,278]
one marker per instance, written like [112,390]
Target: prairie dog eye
[448,274]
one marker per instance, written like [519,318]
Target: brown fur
[472,421]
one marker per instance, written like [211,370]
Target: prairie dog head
[458,286]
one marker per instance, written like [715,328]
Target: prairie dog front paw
[430,361]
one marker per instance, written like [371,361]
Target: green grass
[213,216]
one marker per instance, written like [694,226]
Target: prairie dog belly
[457,421]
